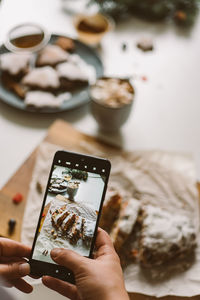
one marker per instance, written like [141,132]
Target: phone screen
[70,210]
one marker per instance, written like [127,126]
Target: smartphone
[70,211]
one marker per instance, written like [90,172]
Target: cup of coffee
[72,189]
[111,102]
[92,28]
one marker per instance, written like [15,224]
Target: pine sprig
[183,12]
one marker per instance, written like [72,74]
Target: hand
[96,279]
[13,265]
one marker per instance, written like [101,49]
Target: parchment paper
[167,179]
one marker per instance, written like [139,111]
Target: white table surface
[167,106]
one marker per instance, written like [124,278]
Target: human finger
[14,270]
[22,285]
[105,248]
[103,239]
[11,259]
[12,248]
[104,245]
[67,258]
[64,288]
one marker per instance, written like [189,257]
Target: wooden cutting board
[60,133]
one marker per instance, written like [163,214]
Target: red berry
[17,198]
[144,78]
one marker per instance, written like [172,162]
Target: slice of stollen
[124,225]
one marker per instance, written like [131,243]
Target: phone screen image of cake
[70,212]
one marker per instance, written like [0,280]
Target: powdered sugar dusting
[42,77]
[161,229]
[42,99]
[130,215]
[14,63]
[52,55]
[77,69]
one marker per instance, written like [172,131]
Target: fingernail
[24,269]
[55,252]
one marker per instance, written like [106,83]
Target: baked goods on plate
[22,73]
[51,55]
[57,186]
[44,99]
[14,86]
[45,78]
[65,43]
[14,65]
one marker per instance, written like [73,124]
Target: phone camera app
[71,210]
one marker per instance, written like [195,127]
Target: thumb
[68,258]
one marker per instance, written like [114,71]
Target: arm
[96,279]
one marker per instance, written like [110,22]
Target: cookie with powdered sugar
[14,65]
[39,99]
[71,76]
[45,79]
[65,43]
[75,73]
[51,55]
